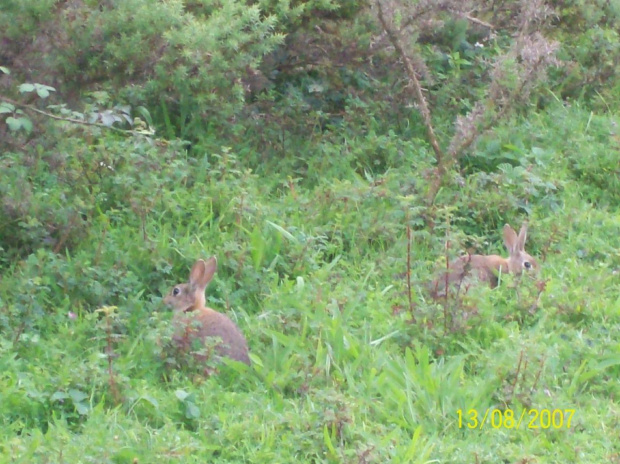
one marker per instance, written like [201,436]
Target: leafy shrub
[589,34]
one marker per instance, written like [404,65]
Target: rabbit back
[465,270]
[203,324]
[216,324]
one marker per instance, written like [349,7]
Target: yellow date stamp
[507,419]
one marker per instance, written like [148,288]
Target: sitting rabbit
[198,322]
[487,267]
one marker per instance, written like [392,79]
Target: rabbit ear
[202,272]
[522,237]
[510,239]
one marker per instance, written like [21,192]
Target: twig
[110,355]
[60,118]
[19,332]
[409,273]
[478,21]
[542,365]
[424,110]
[514,385]
[447,273]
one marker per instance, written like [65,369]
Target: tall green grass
[346,367]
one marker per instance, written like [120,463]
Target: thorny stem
[445,161]
[18,333]
[409,273]
[417,88]
[514,384]
[110,354]
[446,284]
[542,365]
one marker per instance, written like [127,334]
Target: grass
[314,270]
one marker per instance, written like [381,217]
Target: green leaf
[5,70]
[108,118]
[327,440]
[59,395]
[26,124]
[181,394]
[81,408]
[43,91]
[25,88]
[191,410]
[6,108]
[77,395]
[151,400]
[13,123]
[16,124]
[283,231]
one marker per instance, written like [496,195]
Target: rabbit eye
[527,265]
[176,291]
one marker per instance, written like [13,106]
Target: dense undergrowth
[312,189]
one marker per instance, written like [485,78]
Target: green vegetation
[290,140]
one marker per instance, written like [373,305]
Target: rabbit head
[191,296]
[519,260]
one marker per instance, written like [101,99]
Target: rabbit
[487,267]
[200,322]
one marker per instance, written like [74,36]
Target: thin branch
[542,365]
[514,384]
[409,290]
[478,21]
[424,110]
[60,118]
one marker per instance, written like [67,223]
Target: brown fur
[196,321]
[486,268]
